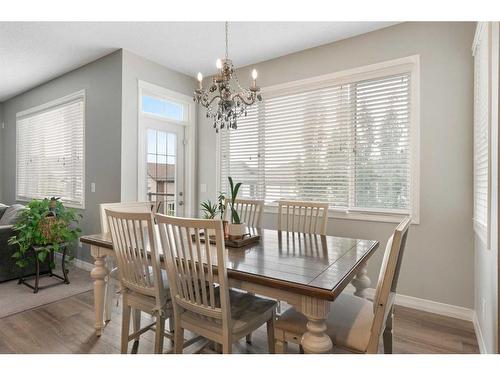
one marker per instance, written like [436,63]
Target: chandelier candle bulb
[200,80]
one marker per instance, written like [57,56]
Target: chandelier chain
[227,43]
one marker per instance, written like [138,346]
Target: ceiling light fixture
[226,106]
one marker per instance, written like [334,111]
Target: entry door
[162,176]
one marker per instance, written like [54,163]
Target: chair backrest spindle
[138,259]
[249,210]
[195,266]
[302,217]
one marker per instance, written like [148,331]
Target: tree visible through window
[346,144]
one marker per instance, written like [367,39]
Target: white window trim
[406,64]
[189,125]
[483,231]
[43,107]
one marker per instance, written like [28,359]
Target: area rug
[15,297]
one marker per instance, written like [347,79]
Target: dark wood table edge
[306,290]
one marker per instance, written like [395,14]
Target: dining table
[307,271]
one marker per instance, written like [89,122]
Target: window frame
[44,107]
[482,230]
[409,64]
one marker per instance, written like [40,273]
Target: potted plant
[46,224]
[236,228]
[222,208]
[209,210]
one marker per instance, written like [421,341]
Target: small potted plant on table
[236,228]
[209,210]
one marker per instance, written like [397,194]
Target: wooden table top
[313,265]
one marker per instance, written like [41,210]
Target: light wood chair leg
[136,321]
[387,335]
[270,334]
[278,308]
[281,347]
[178,336]
[171,323]
[159,336]
[248,338]
[125,327]
[227,345]
[108,302]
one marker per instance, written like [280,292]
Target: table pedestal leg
[99,273]
[315,340]
[361,282]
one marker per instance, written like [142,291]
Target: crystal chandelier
[226,105]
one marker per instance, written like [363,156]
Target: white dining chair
[202,300]
[355,324]
[302,216]
[143,285]
[249,210]
[140,207]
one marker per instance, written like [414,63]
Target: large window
[50,151]
[349,140]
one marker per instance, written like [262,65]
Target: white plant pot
[237,231]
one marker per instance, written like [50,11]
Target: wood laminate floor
[67,326]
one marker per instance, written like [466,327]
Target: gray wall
[1,152]
[103,84]
[138,68]
[439,259]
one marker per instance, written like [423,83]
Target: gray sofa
[8,268]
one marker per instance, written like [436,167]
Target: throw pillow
[11,214]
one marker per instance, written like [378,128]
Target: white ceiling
[32,53]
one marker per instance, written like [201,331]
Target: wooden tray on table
[246,240]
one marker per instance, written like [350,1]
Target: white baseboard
[479,335]
[431,306]
[82,264]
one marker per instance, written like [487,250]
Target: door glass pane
[161,170]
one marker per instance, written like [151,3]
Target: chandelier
[223,104]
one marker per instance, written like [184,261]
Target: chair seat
[348,324]
[248,312]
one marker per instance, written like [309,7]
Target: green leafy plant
[221,199]
[30,229]
[235,218]
[209,209]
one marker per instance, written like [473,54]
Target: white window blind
[481,129]
[50,151]
[346,144]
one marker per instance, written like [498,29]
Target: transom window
[346,141]
[50,151]
[161,107]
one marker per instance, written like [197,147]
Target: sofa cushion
[3,207]
[11,214]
